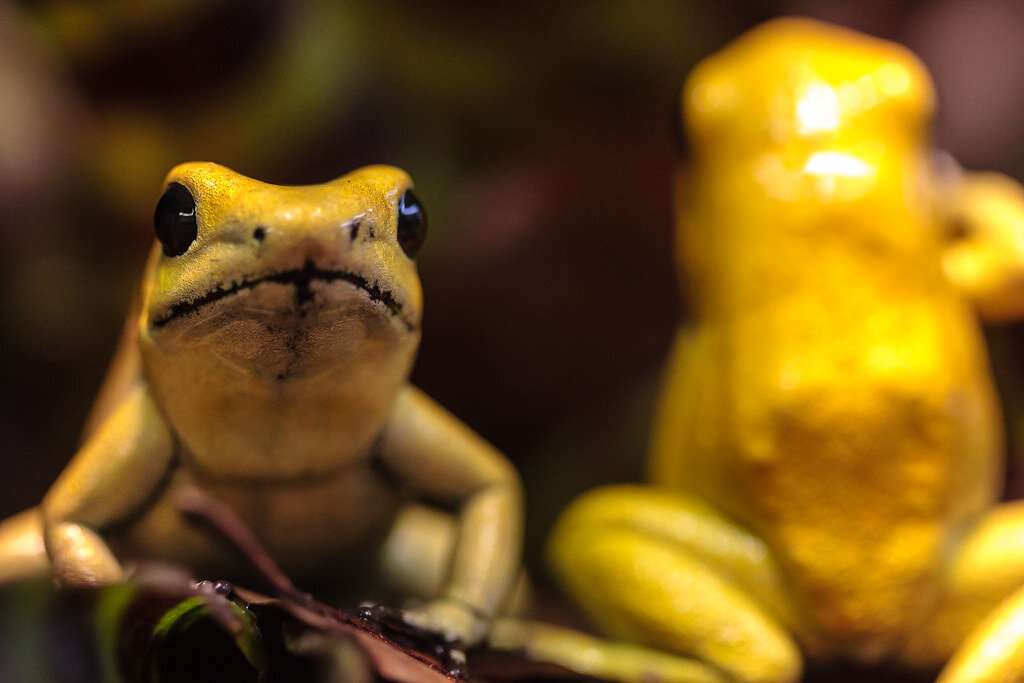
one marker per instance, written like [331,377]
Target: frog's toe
[449,619]
[22,553]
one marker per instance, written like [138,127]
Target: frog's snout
[327,244]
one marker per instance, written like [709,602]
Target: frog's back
[834,395]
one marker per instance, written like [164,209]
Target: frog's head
[802,134]
[284,281]
[795,85]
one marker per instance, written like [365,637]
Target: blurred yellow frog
[266,362]
[828,449]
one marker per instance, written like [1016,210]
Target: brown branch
[367,624]
[221,522]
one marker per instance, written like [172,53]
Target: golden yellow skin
[289,400]
[827,450]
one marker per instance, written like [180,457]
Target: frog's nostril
[259,234]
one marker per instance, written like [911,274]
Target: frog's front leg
[114,473]
[666,571]
[994,652]
[986,256]
[988,567]
[444,461]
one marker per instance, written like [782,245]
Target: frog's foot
[22,553]
[668,572]
[980,616]
[455,622]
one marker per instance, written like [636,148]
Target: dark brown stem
[220,521]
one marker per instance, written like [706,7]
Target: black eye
[412,224]
[175,220]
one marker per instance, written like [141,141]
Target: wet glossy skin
[267,363]
[827,451]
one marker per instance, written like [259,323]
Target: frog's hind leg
[22,553]
[666,571]
[987,569]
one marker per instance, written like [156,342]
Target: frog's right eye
[412,224]
[175,220]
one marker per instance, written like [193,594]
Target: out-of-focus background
[542,140]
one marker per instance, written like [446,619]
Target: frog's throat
[301,278]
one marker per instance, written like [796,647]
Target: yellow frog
[266,362]
[828,448]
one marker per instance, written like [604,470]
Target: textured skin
[828,441]
[289,401]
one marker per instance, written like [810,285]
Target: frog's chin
[291,293]
[271,333]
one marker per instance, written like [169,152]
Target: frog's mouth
[301,278]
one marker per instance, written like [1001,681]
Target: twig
[220,521]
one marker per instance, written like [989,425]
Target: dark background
[541,137]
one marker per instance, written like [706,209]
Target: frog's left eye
[175,219]
[412,224]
